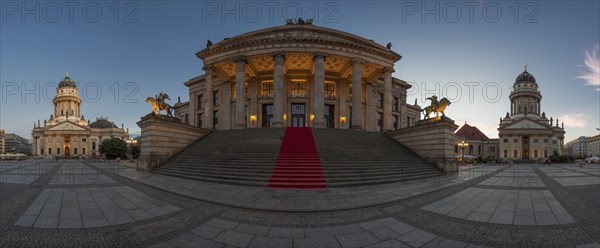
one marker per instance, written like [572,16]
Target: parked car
[592,160]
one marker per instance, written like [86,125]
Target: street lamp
[131,142]
[463,144]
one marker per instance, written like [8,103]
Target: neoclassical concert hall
[297,74]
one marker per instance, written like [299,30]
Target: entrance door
[298,114]
[67,146]
[267,117]
[329,116]
[525,147]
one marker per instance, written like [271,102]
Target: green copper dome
[67,82]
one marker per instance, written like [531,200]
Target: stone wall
[163,137]
[432,139]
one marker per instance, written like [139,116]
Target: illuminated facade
[298,75]
[525,132]
[67,133]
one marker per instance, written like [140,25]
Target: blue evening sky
[132,50]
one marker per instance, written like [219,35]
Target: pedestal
[432,139]
[163,137]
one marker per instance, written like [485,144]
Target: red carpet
[298,165]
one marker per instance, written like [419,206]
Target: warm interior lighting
[343,119]
[312,117]
[284,117]
[253,118]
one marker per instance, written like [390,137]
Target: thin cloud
[575,120]
[592,64]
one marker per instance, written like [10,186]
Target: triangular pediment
[526,124]
[69,126]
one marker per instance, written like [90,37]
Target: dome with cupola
[525,77]
[67,82]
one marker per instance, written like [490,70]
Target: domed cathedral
[67,133]
[525,132]
[298,74]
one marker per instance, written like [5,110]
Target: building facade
[298,75]
[1,141]
[525,132]
[583,146]
[67,133]
[14,144]
[593,146]
[480,145]
[577,147]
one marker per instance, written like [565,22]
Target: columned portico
[319,86]
[297,75]
[279,93]
[240,96]
[357,109]
[387,99]
[208,99]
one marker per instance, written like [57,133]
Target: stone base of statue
[432,139]
[163,137]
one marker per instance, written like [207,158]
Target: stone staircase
[248,157]
[353,158]
[242,157]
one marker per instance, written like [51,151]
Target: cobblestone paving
[71,204]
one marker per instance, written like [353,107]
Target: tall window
[515,153]
[83,151]
[200,120]
[215,119]
[505,153]
[535,153]
[75,150]
[49,151]
[329,90]
[267,89]
[545,153]
[200,103]
[94,145]
[396,104]
[58,151]
[395,122]
[215,98]
[380,122]
[380,100]
[298,89]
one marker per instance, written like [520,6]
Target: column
[319,96]
[207,117]
[252,105]
[387,99]
[192,109]
[357,94]
[240,96]
[278,94]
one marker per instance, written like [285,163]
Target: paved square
[517,207]
[91,207]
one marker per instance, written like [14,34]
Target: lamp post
[463,144]
[131,142]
